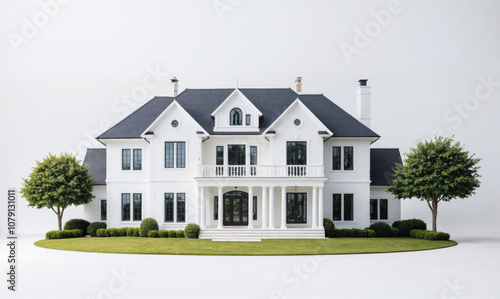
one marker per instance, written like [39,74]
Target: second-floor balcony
[260,171]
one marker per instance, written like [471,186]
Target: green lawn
[266,247]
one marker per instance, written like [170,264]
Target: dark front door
[236,208]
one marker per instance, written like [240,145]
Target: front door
[236,208]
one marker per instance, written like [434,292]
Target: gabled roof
[96,159]
[234,93]
[382,161]
[200,103]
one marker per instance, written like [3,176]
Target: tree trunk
[59,221]
[434,213]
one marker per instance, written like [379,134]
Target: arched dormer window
[236,117]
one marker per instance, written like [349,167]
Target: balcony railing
[262,171]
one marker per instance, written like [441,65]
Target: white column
[320,208]
[283,207]
[220,209]
[265,214]
[250,207]
[315,208]
[202,208]
[271,207]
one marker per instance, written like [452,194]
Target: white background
[69,75]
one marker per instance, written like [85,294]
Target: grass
[134,245]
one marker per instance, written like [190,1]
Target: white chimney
[176,85]
[363,103]
[298,83]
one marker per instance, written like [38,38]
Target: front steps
[256,234]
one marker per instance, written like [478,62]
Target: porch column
[202,208]
[265,214]
[315,208]
[220,211]
[271,207]
[283,207]
[320,209]
[250,207]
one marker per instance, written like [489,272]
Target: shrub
[147,225]
[162,234]
[93,227]
[107,232]
[64,234]
[77,233]
[101,232]
[192,231]
[329,227]
[122,231]
[113,232]
[405,226]
[77,224]
[48,235]
[395,232]
[382,229]
[153,234]
[429,235]
[180,234]
[172,234]
[137,232]
[370,233]
[130,232]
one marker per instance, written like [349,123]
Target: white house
[243,163]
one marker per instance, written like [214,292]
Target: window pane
[125,159]
[348,207]
[137,206]
[247,122]
[253,155]
[236,154]
[337,207]
[373,209]
[104,209]
[296,153]
[181,207]
[255,208]
[216,208]
[348,158]
[383,209]
[169,207]
[125,206]
[219,156]
[336,158]
[181,154]
[296,208]
[290,207]
[137,159]
[235,117]
[169,155]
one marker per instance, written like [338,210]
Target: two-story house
[244,163]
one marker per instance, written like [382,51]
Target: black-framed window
[346,154]
[236,154]
[348,207]
[104,209]
[253,159]
[255,208]
[175,152]
[219,155]
[337,207]
[343,210]
[181,155]
[336,157]
[216,208]
[125,206]
[137,211]
[137,159]
[348,158]
[296,153]
[235,117]
[248,119]
[125,159]
[383,209]
[296,207]
[181,207]
[169,207]
[373,209]
[169,154]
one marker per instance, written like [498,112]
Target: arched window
[236,117]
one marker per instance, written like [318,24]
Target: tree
[436,170]
[56,183]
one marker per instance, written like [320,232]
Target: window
[378,207]
[169,207]
[343,208]
[255,208]
[175,210]
[236,154]
[219,160]
[125,206]
[337,207]
[137,159]
[235,117]
[373,209]
[104,209]
[248,119]
[383,209]
[216,208]
[137,207]
[296,208]
[181,207]
[336,157]
[348,157]
[175,151]
[125,159]
[296,153]
[253,159]
[348,207]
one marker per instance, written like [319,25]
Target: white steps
[245,234]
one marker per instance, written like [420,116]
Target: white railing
[266,171]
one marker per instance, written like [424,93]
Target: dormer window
[235,117]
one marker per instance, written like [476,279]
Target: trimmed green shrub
[113,232]
[172,234]
[429,235]
[192,231]
[382,229]
[122,231]
[137,232]
[64,234]
[130,232]
[77,233]
[48,235]
[101,232]
[395,232]
[162,234]
[148,225]
[77,224]
[180,234]
[107,232]
[153,234]
[93,227]
[370,233]
[329,228]
[405,226]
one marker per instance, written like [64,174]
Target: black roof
[200,103]
[382,161]
[96,159]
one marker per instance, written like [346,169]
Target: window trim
[127,159]
[296,200]
[105,209]
[379,209]
[131,198]
[123,218]
[342,158]
[175,155]
[231,116]
[342,207]
[248,119]
[175,207]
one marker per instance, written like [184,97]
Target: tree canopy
[56,183]
[436,170]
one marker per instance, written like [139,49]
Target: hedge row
[405,226]
[64,234]
[429,235]
[353,233]
[135,232]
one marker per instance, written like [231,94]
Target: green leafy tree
[56,183]
[434,171]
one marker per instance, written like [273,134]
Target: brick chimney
[176,85]
[363,103]
[298,84]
